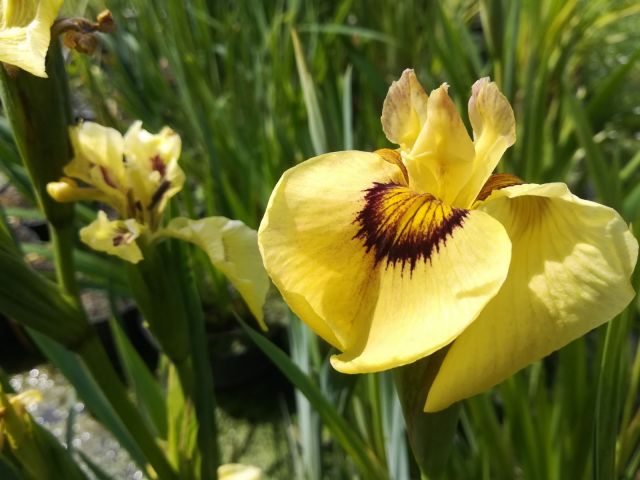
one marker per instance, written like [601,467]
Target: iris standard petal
[494,130]
[570,269]
[404,111]
[441,159]
[385,274]
[25,33]
[115,237]
[306,239]
[232,248]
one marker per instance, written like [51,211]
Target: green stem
[430,434]
[202,390]
[373,392]
[62,240]
[39,113]
[93,354]
[164,288]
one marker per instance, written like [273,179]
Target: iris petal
[97,161]
[232,248]
[441,159]
[306,239]
[25,33]
[404,111]
[494,130]
[419,306]
[569,273]
[152,161]
[115,237]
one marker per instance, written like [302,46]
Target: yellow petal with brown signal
[232,248]
[404,111]
[386,274]
[25,33]
[435,268]
[571,264]
[115,237]
[306,239]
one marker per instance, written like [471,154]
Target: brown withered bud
[79,33]
[81,42]
[106,23]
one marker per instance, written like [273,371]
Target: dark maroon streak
[379,225]
[158,194]
[158,165]
[106,177]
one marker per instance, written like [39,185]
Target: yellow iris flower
[390,256]
[25,32]
[136,174]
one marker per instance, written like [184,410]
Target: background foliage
[256,87]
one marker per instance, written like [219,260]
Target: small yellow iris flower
[25,33]
[392,255]
[136,174]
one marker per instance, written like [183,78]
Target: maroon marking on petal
[158,165]
[402,226]
[497,181]
[158,194]
[123,235]
[106,177]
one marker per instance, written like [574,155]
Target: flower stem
[93,354]
[62,240]
[165,290]
[430,434]
[201,390]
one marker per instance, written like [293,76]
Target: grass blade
[360,453]
[316,125]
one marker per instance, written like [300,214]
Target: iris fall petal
[570,269]
[115,237]
[306,239]
[232,248]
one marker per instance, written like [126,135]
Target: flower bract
[394,254]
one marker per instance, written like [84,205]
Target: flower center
[402,226]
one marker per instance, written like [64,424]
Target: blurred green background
[255,87]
